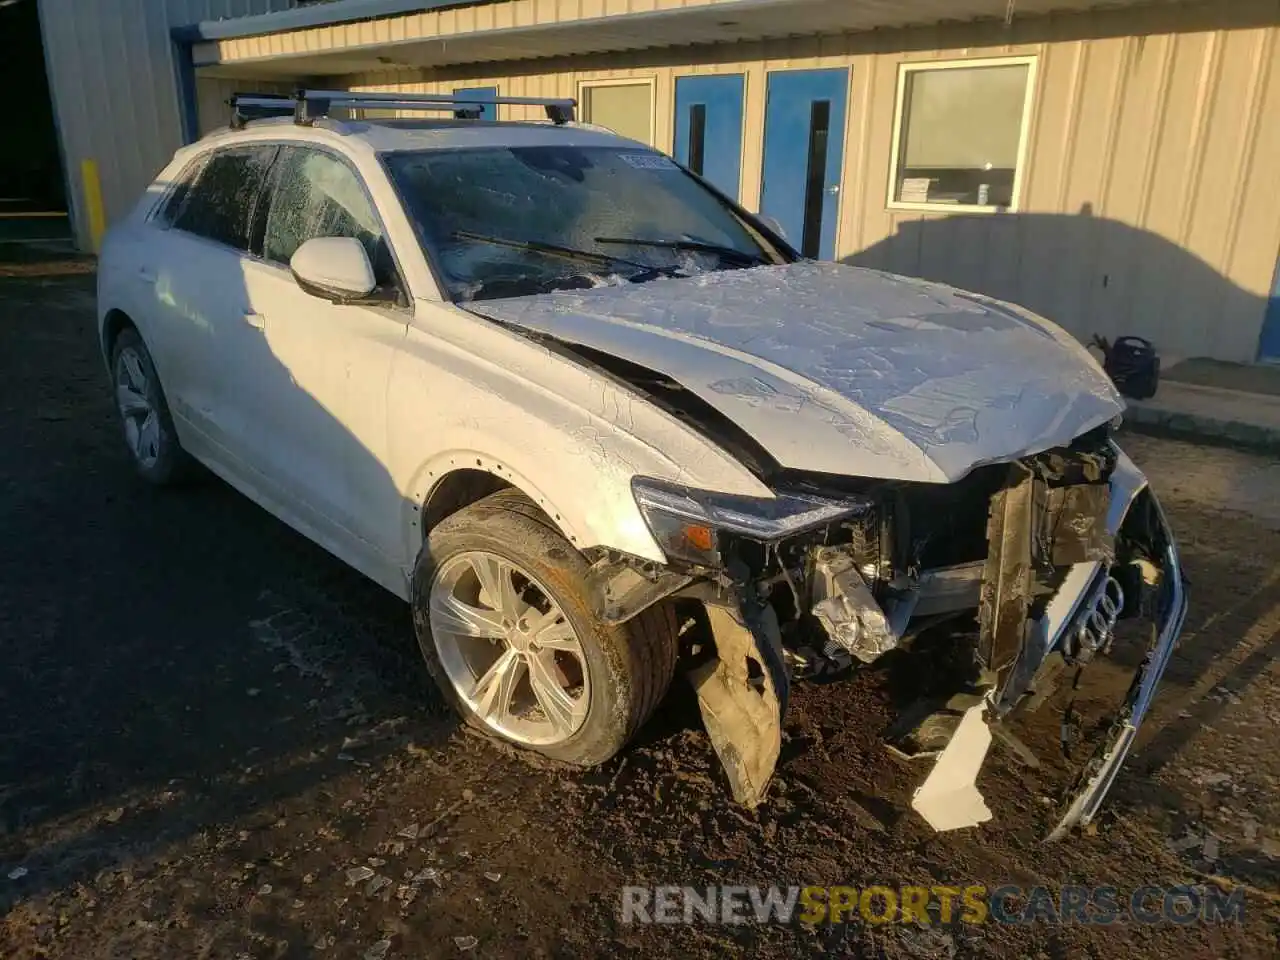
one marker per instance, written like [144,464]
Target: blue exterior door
[709,129]
[1269,342]
[488,111]
[803,156]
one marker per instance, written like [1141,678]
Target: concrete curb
[1144,418]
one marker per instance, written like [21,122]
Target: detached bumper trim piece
[1104,766]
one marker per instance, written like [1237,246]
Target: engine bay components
[846,608]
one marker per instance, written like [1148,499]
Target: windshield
[508,221]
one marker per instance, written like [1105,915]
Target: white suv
[590,417]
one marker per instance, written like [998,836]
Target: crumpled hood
[845,370]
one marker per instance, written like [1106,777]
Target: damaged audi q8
[598,424]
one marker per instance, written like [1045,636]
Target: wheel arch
[452,481]
[457,490]
[114,322]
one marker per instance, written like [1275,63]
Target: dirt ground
[208,726]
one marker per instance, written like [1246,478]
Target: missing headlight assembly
[1012,578]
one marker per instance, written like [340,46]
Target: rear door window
[220,205]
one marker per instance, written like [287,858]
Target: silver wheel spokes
[508,649]
[141,424]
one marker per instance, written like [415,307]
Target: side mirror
[773,225]
[334,268]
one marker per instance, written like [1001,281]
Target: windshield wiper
[697,246]
[550,249]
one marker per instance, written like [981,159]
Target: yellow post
[93,202]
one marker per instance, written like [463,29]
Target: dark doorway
[30,166]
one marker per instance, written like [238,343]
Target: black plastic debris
[1132,364]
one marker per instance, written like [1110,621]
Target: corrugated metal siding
[110,65]
[614,25]
[1149,201]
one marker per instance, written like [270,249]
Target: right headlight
[687,523]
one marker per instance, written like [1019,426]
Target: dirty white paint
[845,370]
[342,420]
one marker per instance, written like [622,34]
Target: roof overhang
[358,36]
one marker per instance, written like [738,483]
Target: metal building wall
[112,76]
[1149,203]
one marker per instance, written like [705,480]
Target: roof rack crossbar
[307,106]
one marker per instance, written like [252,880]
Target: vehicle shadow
[1094,275]
[1089,274]
[178,662]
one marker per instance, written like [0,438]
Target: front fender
[484,398]
[599,512]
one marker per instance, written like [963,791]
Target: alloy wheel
[508,649]
[133,400]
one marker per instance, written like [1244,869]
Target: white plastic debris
[493,877]
[17,873]
[356,874]
[376,884]
[378,950]
[264,889]
[409,833]
[465,943]
[949,798]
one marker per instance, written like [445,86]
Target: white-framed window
[960,134]
[626,105]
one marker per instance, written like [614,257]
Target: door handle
[255,320]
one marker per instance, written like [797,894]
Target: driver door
[321,386]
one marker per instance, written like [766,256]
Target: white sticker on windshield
[648,161]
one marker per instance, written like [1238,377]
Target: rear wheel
[148,429]
[505,628]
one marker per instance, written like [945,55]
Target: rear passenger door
[203,301]
[320,395]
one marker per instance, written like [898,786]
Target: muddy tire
[145,421]
[624,670]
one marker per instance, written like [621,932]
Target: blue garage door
[803,156]
[1269,342]
[709,128]
[488,111]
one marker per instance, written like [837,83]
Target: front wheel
[505,627]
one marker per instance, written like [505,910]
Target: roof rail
[307,106]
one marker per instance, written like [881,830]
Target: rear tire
[149,435]
[625,669]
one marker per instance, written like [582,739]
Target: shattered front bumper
[1099,772]
[1079,621]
